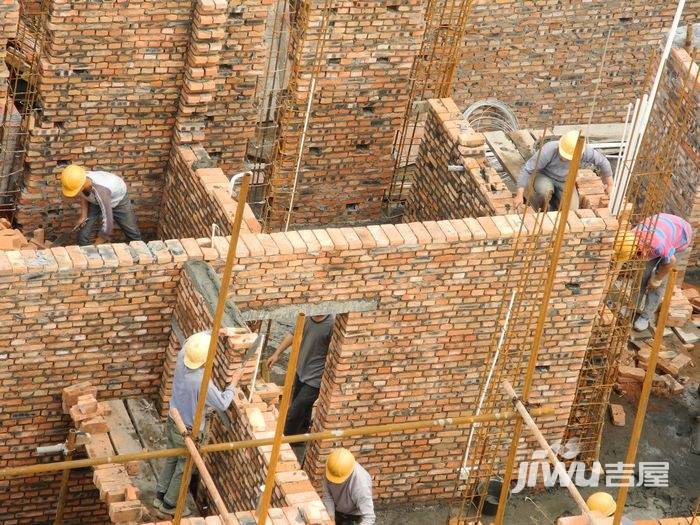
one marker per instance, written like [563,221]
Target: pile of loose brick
[113,480]
[361,96]
[12,239]
[671,363]
[439,193]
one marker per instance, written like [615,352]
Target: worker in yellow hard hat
[347,490]
[550,166]
[603,504]
[102,195]
[187,381]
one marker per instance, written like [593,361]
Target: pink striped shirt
[664,235]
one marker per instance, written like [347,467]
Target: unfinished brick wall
[232,114]
[196,196]
[109,87]
[9,16]
[359,102]
[543,58]
[438,193]
[421,353]
[683,197]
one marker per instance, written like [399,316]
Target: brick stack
[11,239]
[196,196]
[438,193]
[232,114]
[591,190]
[543,58]
[9,17]
[111,479]
[360,99]
[680,309]
[109,84]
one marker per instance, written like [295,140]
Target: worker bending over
[551,166]
[307,381]
[658,239]
[102,195]
[347,490]
[186,384]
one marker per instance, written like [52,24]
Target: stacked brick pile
[438,193]
[360,98]
[11,239]
[667,376]
[232,114]
[111,479]
[543,59]
[197,196]
[680,309]
[591,190]
[9,17]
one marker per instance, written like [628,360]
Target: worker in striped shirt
[659,239]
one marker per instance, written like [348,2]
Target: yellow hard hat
[602,502]
[72,180]
[197,349]
[625,246]
[567,144]
[339,465]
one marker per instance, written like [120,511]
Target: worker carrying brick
[186,384]
[102,195]
[657,239]
[551,166]
[307,383]
[347,490]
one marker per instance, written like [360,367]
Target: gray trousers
[548,190]
[123,215]
[171,475]
[652,298]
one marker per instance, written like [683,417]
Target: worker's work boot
[641,323]
[167,511]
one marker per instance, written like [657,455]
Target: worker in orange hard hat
[187,381]
[347,490]
[550,166]
[103,196]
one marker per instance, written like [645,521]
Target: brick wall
[359,103]
[543,58]
[438,193]
[683,197]
[196,196]
[9,15]
[232,114]
[109,86]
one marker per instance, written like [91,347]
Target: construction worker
[602,504]
[551,166]
[307,382]
[186,384]
[347,490]
[102,195]
[658,240]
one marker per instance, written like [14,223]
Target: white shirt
[114,183]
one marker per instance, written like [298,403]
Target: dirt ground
[666,437]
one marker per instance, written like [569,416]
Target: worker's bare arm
[286,343]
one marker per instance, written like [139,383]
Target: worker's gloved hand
[79,223]
[518,200]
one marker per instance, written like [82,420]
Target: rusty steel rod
[61,507]
[281,418]
[644,396]
[562,219]
[203,471]
[327,435]
[216,328]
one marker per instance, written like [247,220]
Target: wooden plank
[150,429]
[595,132]
[122,433]
[525,143]
[505,151]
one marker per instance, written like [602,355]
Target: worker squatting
[347,485]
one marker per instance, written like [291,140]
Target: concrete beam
[286,314]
